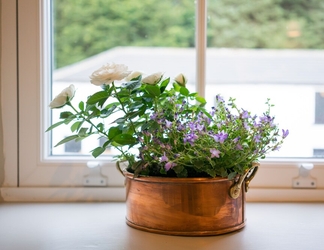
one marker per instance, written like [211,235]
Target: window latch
[305,180]
[95,177]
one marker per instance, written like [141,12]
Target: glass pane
[148,36]
[271,49]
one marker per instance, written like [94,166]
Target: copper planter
[184,206]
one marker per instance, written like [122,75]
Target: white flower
[133,75]
[65,96]
[153,79]
[181,79]
[109,73]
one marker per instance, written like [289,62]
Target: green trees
[266,24]
[83,28]
[86,27]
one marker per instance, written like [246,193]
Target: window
[36,168]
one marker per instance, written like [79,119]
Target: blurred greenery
[83,28]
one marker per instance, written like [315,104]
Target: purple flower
[169,165]
[220,137]
[285,133]
[236,139]
[212,112]
[200,127]
[153,116]
[246,125]
[190,138]
[245,114]
[257,138]
[239,146]
[214,153]
[219,98]
[164,158]
[168,124]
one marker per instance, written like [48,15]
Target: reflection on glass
[271,49]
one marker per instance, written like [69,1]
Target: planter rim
[174,180]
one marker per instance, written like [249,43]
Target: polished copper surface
[183,206]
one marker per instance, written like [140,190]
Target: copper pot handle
[235,190]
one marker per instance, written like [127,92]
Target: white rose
[109,73]
[65,96]
[181,79]
[133,75]
[153,79]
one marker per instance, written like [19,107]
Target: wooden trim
[8,98]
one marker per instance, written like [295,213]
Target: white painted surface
[270,226]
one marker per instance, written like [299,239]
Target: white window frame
[30,176]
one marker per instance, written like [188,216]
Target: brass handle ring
[235,190]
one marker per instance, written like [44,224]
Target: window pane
[271,49]
[148,36]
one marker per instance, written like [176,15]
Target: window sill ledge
[101,194]
[269,226]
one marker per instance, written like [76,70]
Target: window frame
[26,175]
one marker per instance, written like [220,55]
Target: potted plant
[187,167]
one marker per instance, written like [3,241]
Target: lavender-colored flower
[190,138]
[169,165]
[246,125]
[239,146]
[168,124]
[220,137]
[257,138]
[212,112]
[164,158]
[245,114]
[181,127]
[153,116]
[285,133]
[214,153]
[219,98]
[236,139]
[200,127]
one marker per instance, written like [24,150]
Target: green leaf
[83,131]
[107,112]
[119,120]
[164,84]
[67,139]
[184,91]
[113,131]
[153,90]
[66,114]
[124,139]
[111,105]
[81,106]
[201,99]
[97,151]
[132,84]
[176,87]
[101,96]
[232,175]
[75,126]
[55,125]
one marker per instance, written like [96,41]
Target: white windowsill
[113,194]
[31,226]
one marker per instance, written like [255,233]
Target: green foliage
[83,28]
[163,129]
